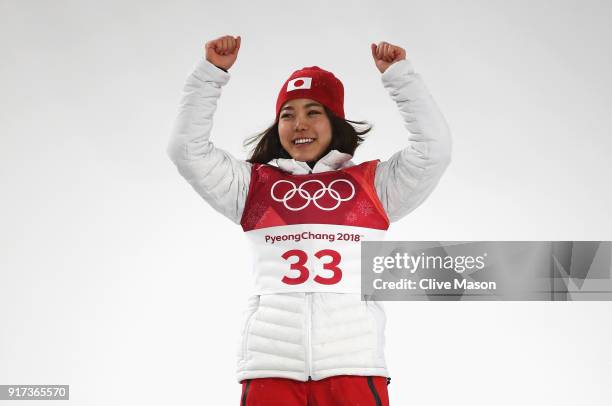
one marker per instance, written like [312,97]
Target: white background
[117,279]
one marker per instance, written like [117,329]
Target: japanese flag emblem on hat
[299,83]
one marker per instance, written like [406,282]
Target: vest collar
[333,161]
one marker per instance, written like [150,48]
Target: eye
[314,111]
[285,115]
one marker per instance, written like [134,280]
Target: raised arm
[405,180]
[221,179]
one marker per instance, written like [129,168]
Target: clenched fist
[222,52]
[385,55]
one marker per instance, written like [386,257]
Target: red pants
[342,390]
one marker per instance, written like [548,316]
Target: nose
[300,124]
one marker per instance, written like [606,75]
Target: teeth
[303,141]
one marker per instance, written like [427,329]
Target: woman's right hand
[223,51]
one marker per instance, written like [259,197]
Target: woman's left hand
[386,54]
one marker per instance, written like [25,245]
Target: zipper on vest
[308,335]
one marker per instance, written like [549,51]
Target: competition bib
[307,230]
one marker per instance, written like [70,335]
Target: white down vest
[319,331]
[308,319]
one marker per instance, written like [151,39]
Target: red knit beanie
[316,84]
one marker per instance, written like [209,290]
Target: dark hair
[346,137]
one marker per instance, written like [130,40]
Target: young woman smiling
[309,338]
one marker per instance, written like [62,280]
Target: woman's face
[304,129]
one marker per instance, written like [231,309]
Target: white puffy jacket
[311,335]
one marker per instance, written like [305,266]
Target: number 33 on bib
[307,230]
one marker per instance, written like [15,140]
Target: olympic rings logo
[304,194]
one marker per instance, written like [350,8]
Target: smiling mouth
[302,141]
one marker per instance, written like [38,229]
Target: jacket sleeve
[410,175]
[221,179]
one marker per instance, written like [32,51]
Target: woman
[309,338]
